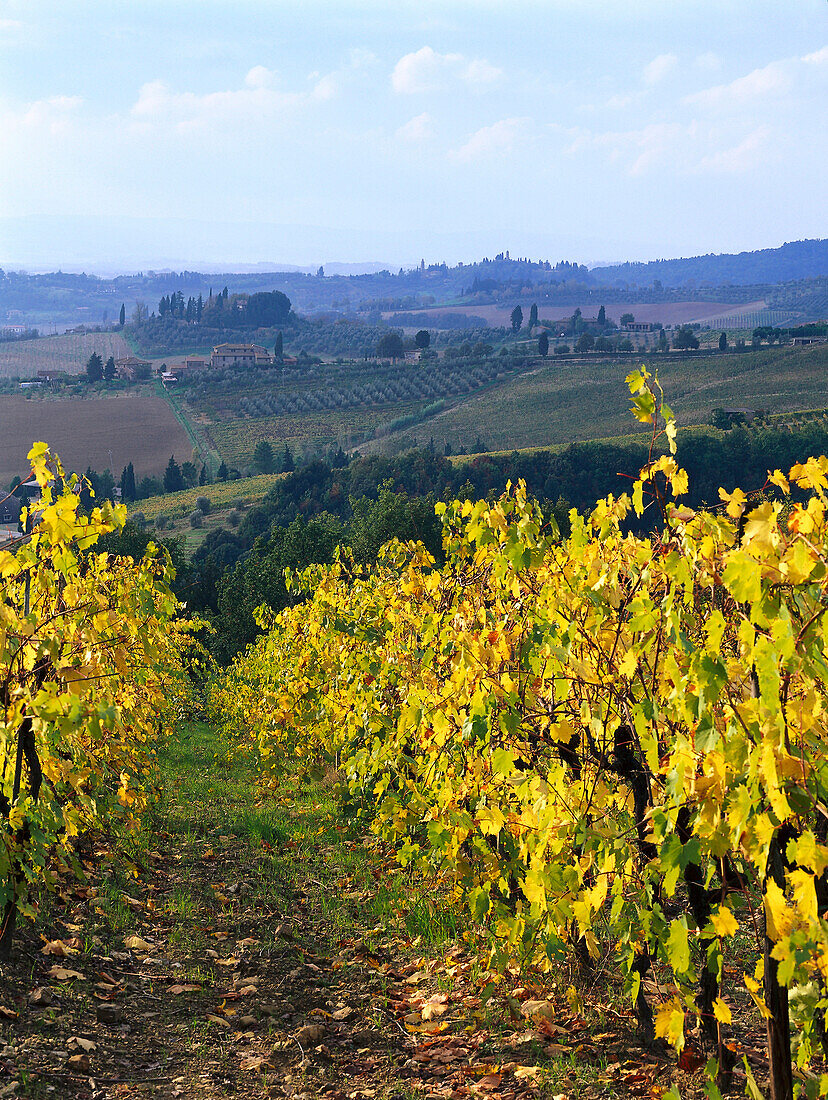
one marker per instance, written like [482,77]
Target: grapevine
[88,659]
[612,745]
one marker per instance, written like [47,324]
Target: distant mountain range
[796,260]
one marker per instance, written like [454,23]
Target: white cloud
[51,116]
[772,78]
[257,99]
[429,71]
[260,77]
[659,67]
[480,72]
[677,148]
[416,130]
[9,25]
[738,158]
[327,87]
[493,140]
[653,147]
[820,57]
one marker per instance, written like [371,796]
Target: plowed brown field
[101,432]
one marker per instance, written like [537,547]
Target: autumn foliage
[89,660]
[609,746]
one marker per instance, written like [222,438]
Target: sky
[137,134]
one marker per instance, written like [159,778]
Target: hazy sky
[134,133]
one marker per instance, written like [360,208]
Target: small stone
[109,1014]
[245,1022]
[40,998]
[310,1034]
[78,1063]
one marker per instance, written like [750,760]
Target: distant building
[130,367]
[240,355]
[51,375]
[803,341]
[638,326]
[9,516]
[167,377]
[196,362]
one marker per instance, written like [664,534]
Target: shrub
[139,519]
[161,521]
[562,349]
[203,505]
[234,518]
[196,518]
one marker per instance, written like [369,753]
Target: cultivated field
[101,432]
[236,440]
[69,353]
[224,496]
[668,313]
[564,401]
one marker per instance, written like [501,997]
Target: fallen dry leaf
[135,943]
[437,1005]
[176,989]
[61,974]
[78,1062]
[255,1061]
[539,1008]
[342,1013]
[428,1027]
[58,948]
[690,1060]
[486,1084]
[217,1020]
[7,1013]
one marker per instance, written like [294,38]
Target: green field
[236,440]
[69,353]
[224,496]
[566,401]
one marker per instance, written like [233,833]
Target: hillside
[565,400]
[74,299]
[792,261]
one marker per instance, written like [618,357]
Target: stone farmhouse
[240,355]
[130,366]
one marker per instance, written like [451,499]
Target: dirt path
[265,949]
